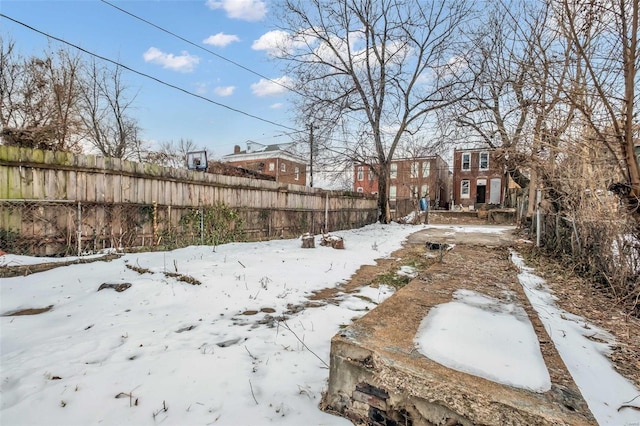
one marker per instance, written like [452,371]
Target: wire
[200,47]
[195,95]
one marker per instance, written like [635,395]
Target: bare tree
[39,99]
[107,107]
[606,36]
[171,153]
[374,68]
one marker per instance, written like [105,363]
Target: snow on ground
[483,336]
[168,352]
[165,351]
[581,347]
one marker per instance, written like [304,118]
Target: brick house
[273,160]
[478,178]
[410,179]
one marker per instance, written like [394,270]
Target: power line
[201,47]
[195,95]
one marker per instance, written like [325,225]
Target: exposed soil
[29,311]
[575,295]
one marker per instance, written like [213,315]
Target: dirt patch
[29,311]
[24,270]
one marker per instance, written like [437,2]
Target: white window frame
[360,173]
[465,188]
[296,171]
[393,192]
[283,167]
[425,191]
[486,155]
[393,171]
[370,174]
[415,169]
[426,168]
[468,161]
[272,167]
[359,189]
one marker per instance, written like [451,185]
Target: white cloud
[278,43]
[246,10]
[181,63]
[221,39]
[271,87]
[277,105]
[224,90]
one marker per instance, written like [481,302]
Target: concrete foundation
[378,377]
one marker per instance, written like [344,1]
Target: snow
[483,336]
[601,386]
[187,348]
[168,352]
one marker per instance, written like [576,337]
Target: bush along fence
[595,236]
[56,203]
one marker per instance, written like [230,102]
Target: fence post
[538,213]
[79,229]
[201,226]
[155,223]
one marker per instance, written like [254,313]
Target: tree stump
[332,241]
[308,241]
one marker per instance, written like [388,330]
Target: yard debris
[332,241]
[119,287]
[308,241]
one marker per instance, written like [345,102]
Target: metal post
[201,226]
[311,155]
[538,214]
[326,213]
[79,230]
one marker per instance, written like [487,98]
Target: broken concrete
[378,377]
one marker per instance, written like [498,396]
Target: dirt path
[482,259]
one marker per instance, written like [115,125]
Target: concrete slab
[378,377]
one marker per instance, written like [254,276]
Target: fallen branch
[252,394]
[285,325]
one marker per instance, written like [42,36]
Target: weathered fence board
[127,204]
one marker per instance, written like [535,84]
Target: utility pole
[311,127]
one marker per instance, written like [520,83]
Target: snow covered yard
[171,351]
[167,351]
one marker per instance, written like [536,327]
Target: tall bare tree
[377,68]
[606,40]
[107,113]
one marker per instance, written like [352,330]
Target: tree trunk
[384,215]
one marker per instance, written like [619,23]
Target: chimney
[236,149]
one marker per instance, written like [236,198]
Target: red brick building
[478,178]
[273,160]
[410,180]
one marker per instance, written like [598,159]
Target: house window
[414,169]
[297,173]
[370,175]
[272,167]
[414,191]
[484,160]
[283,167]
[360,173]
[425,190]
[426,169]
[394,171]
[464,189]
[360,190]
[392,192]
[466,161]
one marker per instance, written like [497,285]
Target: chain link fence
[63,228]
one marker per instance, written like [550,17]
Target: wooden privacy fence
[54,203]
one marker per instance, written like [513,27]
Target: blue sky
[239,30]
